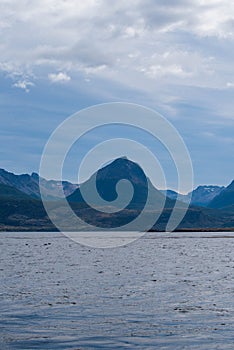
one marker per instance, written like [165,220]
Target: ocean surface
[163,291]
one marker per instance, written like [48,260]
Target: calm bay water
[162,291]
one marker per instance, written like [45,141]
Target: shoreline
[53,230]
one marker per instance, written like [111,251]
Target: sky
[176,57]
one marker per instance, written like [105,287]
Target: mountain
[201,196]
[175,195]
[53,187]
[23,183]
[225,200]
[9,192]
[22,210]
[107,178]
[29,184]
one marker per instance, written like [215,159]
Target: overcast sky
[58,56]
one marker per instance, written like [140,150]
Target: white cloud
[230,85]
[23,84]
[143,44]
[59,77]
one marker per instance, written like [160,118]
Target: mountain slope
[23,183]
[225,199]
[203,195]
[108,177]
[200,196]
[29,184]
[9,192]
[106,180]
[19,211]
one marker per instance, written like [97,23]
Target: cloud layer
[184,42]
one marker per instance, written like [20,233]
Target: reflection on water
[170,291]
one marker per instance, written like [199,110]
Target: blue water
[162,291]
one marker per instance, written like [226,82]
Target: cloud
[94,33]
[23,84]
[156,48]
[230,85]
[59,77]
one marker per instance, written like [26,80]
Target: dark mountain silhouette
[105,180]
[22,210]
[225,199]
[108,177]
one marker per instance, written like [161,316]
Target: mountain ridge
[202,195]
[20,211]
[29,184]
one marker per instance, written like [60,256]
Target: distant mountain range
[29,184]
[121,168]
[212,207]
[200,196]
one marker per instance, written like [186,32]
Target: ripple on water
[156,292]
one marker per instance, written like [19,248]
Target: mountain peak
[121,160]
[107,178]
[122,168]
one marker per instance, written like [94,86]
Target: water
[163,291]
